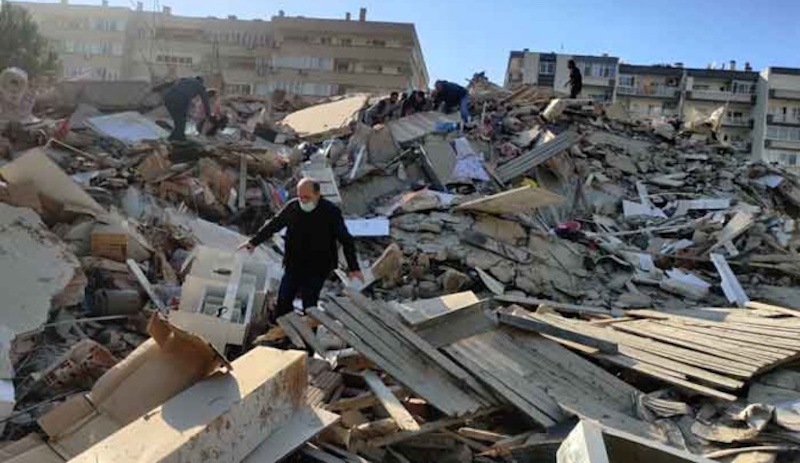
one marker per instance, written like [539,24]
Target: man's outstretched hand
[246,245]
[357,275]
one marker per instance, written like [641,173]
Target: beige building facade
[777,133]
[549,70]
[304,56]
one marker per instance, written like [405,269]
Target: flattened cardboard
[157,370]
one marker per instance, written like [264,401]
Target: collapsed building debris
[554,262]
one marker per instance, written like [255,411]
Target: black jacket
[450,93]
[185,89]
[311,238]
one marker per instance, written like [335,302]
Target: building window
[378,43]
[343,66]
[302,62]
[783,133]
[744,87]
[237,89]
[626,80]
[325,40]
[346,42]
[178,60]
[373,68]
[547,68]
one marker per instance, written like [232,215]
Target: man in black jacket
[313,227]
[179,98]
[449,95]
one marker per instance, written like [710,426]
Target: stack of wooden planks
[375,331]
[710,352]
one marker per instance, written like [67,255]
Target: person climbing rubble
[448,95]
[178,100]
[313,226]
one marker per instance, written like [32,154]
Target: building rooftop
[658,70]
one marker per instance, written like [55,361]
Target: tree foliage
[21,45]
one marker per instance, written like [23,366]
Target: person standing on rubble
[414,104]
[313,227]
[178,100]
[575,81]
[447,96]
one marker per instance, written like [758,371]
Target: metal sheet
[128,127]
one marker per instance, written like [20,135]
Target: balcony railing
[657,91]
[782,119]
[738,122]
[715,95]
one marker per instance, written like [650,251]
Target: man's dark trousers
[178,109]
[308,285]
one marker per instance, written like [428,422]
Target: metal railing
[657,90]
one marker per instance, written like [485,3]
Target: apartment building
[777,132]
[90,40]
[549,70]
[650,91]
[304,56]
[708,89]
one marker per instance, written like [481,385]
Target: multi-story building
[708,89]
[549,70]
[90,40]
[650,91]
[304,56]
[777,131]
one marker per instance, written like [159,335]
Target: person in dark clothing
[575,81]
[313,227]
[382,110]
[414,104]
[178,100]
[451,96]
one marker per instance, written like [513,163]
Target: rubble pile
[553,262]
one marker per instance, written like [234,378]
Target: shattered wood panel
[321,120]
[400,358]
[518,200]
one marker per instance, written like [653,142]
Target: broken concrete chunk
[37,267]
[518,200]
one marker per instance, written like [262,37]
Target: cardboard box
[161,367]
[222,418]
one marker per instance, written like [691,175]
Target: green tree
[22,45]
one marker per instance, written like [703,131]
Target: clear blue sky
[460,38]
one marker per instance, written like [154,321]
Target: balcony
[783,119]
[743,122]
[784,94]
[654,91]
[714,95]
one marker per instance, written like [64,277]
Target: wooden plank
[666,376]
[682,368]
[528,399]
[290,332]
[561,307]
[145,284]
[391,321]
[572,344]
[458,324]
[242,193]
[663,333]
[305,332]
[755,325]
[389,402]
[659,348]
[365,400]
[773,308]
[426,428]
[781,346]
[399,361]
[482,435]
[511,317]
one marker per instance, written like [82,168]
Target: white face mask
[309,206]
